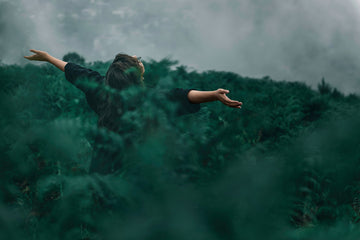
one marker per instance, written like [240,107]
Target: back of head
[124,72]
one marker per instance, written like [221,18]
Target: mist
[293,40]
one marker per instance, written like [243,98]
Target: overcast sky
[293,40]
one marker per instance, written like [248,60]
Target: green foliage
[285,166]
[74,58]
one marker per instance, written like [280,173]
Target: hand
[221,96]
[38,56]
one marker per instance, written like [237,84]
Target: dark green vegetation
[285,166]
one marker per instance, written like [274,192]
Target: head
[125,71]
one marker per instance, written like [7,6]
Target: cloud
[287,40]
[14,31]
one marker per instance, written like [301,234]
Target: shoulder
[74,71]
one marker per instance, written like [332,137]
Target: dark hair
[125,71]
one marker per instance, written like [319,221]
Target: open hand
[221,96]
[38,56]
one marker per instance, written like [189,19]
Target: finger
[231,101]
[29,56]
[231,104]
[34,51]
[224,91]
[239,105]
[235,104]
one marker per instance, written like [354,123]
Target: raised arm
[90,81]
[45,57]
[195,96]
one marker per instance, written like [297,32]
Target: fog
[287,40]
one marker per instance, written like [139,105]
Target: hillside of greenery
[285,166]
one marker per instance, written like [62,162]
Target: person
[124,72]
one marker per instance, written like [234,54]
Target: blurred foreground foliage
[285,166]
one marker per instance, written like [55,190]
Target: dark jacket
[107,157]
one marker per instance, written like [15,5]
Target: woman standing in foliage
[125,71]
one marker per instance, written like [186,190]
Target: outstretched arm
[45,57]
[195,96]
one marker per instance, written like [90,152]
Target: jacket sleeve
[86,80]
[179,95]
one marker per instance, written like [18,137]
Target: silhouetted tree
[324,88]
[74,58]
